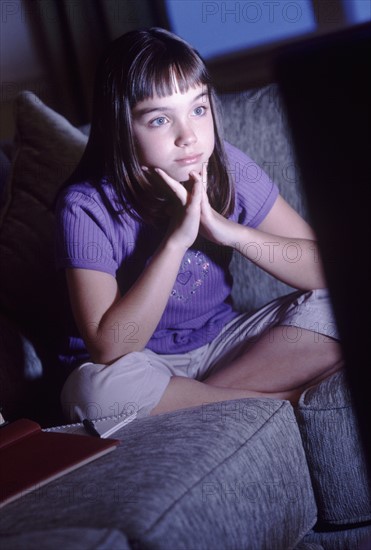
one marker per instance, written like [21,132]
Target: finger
[205,204]
[195,175]
[197,188]
[195,197]
[174,185]
[199,178]
[204,174]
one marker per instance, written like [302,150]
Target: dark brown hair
[136,66]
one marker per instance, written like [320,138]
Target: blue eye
[200,111]
[160,121]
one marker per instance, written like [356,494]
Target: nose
[185,135]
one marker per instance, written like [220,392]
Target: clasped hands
[193,213]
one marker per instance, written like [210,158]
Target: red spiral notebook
[30,457]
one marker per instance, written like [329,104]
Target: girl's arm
[113,325]
[284,245]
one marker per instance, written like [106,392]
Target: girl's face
[175,132]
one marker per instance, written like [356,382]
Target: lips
[190,159]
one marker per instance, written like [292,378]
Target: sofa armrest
[335,456]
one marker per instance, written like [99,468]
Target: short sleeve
[83,233]
[255,191]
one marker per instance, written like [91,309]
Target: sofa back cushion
[47,148]
[255,122]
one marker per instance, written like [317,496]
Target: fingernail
[145,168]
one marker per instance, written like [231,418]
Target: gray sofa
[247,474]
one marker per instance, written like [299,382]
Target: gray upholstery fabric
[255,122]
[308,546]
[348,539]
[333,448]
[66,539]
[224,476]
[48,148]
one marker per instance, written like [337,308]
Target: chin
[183,174]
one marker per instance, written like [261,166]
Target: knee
[334,355]
[80,396]
[130,384]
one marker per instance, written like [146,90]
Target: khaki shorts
[138,380]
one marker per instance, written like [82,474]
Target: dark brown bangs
[156,74]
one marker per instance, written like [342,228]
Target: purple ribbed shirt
[199,305]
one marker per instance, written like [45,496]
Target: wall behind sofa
[51,47]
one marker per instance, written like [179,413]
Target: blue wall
[222,26]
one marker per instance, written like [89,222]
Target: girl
[146,229]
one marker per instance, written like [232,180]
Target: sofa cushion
[225,475]
[308,546]
[48,148]
[333,447]
[357,538]
[68,539]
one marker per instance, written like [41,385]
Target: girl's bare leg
[275,367]
[278,362]
[182,393]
